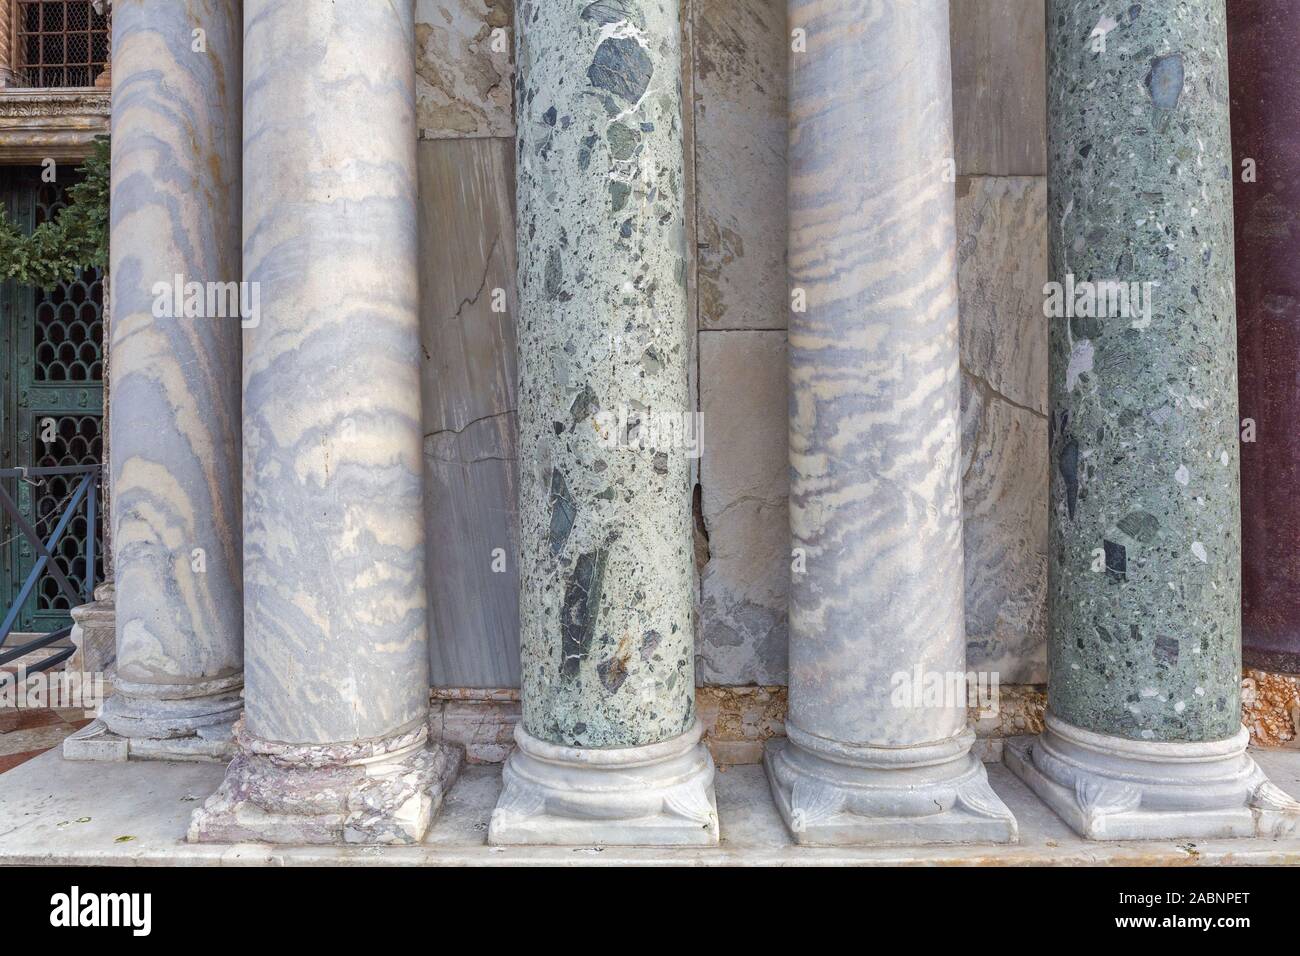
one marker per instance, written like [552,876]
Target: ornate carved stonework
[59,124]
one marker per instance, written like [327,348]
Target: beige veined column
[334,743]
[174,415]
[872,756]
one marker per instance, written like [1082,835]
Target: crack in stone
[473,421]
[987,391]
[487,267]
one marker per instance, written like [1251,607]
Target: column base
[1113,788]
[834,794]
[162,722]
[656,795]
[371,792]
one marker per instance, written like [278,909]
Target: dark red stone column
[1263,45]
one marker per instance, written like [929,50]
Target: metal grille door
[53,405]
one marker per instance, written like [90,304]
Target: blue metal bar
[92,500]
[47,472]
[35,574]
[56,658]
[34,537]
[42,641]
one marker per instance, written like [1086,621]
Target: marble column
[334,743]
[1263,38]
[1144,735]
[875,486]
[174,416]
[609,747]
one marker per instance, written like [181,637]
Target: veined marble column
[334,742]
[174,418]
[1144,735]
[609,747]
[1263,38]
[875,441]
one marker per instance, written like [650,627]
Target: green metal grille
[54,401]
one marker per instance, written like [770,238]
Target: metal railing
[86,493]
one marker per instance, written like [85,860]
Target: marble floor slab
[56,812]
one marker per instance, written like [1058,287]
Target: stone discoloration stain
[464,73]
[1144,439]
[606,548]
[1271,708]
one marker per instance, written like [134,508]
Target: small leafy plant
[76,238]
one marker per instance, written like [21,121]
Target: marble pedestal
[1112,788]
[657,794]
[370,792]
[832,794]
[153,722]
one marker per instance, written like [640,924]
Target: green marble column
[1144,736]
[609,746]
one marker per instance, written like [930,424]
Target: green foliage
[76,238]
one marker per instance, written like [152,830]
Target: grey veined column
[334,742]
[175,356]
[878,747]
[609,748]
[1144,735]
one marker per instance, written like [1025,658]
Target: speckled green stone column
[609,747]
[1144,736]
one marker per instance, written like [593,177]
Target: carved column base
[835,794]
[93,627]
[656,795]
[369,792]
[162,722]
[1113,788]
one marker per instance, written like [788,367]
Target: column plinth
[334,746]
[875,506]
[657,794]
[175,406]
[384,791]
[835,794]
[1114,788]
[610,750]
[1144,737]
